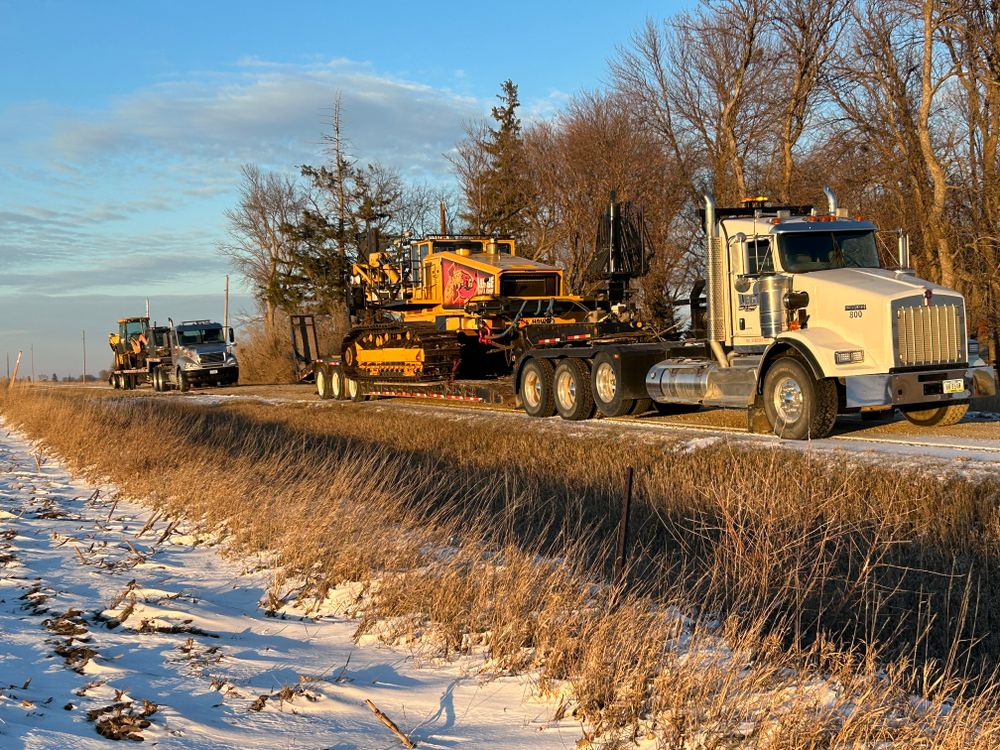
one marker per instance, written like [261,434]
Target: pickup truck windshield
[200,336]
[820,251]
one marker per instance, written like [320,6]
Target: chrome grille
[212,358]
[930,335]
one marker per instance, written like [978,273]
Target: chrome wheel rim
[532,388]
[605,382]
[566,390]
[788,400]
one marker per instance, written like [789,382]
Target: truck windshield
[820,251]
[199,336]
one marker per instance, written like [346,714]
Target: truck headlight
[850,357]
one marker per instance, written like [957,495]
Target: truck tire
[536,388]
[571,389]
[115,383]
[938,416]
[352,390]
[183,384]
[642,405]
[606,386]
[154,379]
[323,389]
[797,405]
[337,389]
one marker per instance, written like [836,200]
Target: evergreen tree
[503,195]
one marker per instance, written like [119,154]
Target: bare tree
[256,245]
[471,163]
[807,35]
[891,79]
[702,82]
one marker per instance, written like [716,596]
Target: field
[775,595]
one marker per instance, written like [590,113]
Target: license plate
[954,386]
[216,372]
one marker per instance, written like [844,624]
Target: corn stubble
[773,600]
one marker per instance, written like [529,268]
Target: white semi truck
[800,322]
[804,323]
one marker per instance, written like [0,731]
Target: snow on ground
[113,620]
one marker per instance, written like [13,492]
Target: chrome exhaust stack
[831,201]
[716,284]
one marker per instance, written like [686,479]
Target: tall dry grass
[773,600]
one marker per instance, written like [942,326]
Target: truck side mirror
[743,279]
[232,338]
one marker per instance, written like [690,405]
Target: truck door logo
[748,302]
[855,311]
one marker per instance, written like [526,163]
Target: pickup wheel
[183,384]
[797,405]
[323,384]
[606,386]
[573,395]
[536,388]
[938,416]
[337,389]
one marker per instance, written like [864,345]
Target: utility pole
[85,357]
[8,366]
[225,312]
[32,363]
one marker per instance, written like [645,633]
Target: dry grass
[774,600]
[264,354]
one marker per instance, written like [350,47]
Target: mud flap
[756,418]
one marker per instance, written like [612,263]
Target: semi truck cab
[804,322]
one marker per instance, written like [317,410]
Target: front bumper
[221,373]
[904,388]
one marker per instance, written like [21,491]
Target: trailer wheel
[337,389]
[573,396]
[353,390]
[797,405]
[114,381]
[536,388]
[323,384]
[606,385]
[183,384]
[938,416]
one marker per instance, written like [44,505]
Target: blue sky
[123,126]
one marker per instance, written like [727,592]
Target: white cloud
[276,114]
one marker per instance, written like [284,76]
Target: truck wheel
[154,380]
[797,405]
[353,390]
[337,389]
[642,405]
[114,381]
[183,384]
[323,385]
[536,388]
[606,387]
[938,416]
[573,396]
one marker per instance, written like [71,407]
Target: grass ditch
[756,572]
